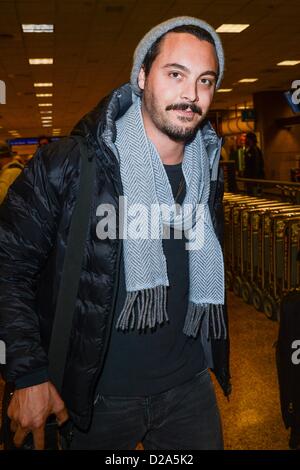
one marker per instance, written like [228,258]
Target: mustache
[184,106]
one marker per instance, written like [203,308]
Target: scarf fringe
[207,317]
[148,305]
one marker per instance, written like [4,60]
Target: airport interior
[60,58]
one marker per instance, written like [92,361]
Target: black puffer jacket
[34,224]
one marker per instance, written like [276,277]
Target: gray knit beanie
[156,32]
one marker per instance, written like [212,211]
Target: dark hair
[43,137]
[251,136]
[154,50]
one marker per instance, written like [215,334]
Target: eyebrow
[185,69]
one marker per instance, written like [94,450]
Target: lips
[186,112]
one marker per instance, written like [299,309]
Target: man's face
[43,142]
[180,86]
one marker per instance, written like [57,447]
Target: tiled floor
[252,419]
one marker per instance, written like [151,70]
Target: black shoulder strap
[71,270]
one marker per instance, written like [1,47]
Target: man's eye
[206,81]
[175,74]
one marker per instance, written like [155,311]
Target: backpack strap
[72,265]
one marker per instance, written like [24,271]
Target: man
[43,140]
[254,163]
[10,168]
[150,316]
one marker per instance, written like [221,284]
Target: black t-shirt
[150,362]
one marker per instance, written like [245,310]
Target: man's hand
[29,409]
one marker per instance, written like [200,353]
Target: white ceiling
[94,40]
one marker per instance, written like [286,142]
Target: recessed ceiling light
[44,119]
[248,80]
[224,90]
[43,61]
[46,112]
[56,130]
[43,84]
[232,28]
[289,62]
[47,125]
[12,132]
[45,104]
[44,95]
[38,28]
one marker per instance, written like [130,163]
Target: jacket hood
[99,124]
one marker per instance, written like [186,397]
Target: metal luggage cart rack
[261,249]
[285,191]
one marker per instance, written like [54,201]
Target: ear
[142,78]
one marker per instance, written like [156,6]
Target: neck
[170,151]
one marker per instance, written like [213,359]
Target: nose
[190,92]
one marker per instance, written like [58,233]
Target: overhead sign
[28,141]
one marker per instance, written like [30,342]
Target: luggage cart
[252,247]
[292,250]
[279,259]
[231,201]
[257,252]
[240,236]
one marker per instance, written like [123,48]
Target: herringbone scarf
[146,183]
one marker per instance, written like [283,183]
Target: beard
[175,132]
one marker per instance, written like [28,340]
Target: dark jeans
[184,417]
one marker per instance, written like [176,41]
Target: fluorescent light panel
[38,28]
[45,104]
[43,84]
[224,90]
[248,80]
[232,28]
[43,61]
[46,112]
[44,95]
[289,62]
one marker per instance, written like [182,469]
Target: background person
[254,162]
[10,168]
